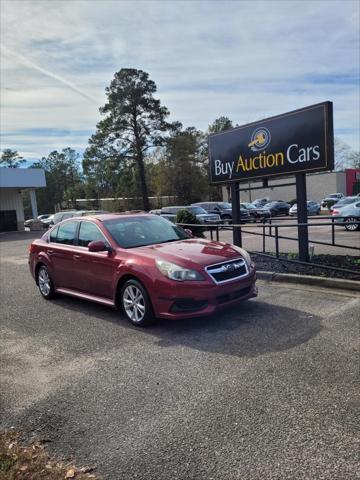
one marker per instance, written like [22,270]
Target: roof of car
[112,216]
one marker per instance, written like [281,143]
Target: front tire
[136,304]
[350,226]
[45,283]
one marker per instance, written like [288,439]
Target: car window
[66,233]
[53,234]
[141,231]
[89,232]
[196,210]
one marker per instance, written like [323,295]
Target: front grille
[227,271]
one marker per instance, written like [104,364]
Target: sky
[244,59]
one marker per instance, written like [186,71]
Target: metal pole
[277,241]
[263,229]
[302,217]
[235,204]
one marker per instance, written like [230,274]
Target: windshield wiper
[170,240]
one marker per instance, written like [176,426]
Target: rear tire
[45,284]
[350,226]
[136,304]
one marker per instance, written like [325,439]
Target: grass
[19,461]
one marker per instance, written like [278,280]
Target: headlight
[175,272]
[244,254]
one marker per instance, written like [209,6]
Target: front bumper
[187,301]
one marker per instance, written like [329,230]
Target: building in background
[318,186]
[12,182]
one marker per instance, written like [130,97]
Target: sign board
[294,142]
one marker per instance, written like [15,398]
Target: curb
[309,280]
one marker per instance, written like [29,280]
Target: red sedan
[142,263]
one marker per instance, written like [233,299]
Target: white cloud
[242,59]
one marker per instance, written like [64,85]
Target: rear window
[66,233]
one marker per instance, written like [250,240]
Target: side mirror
[189,232]
[98,246]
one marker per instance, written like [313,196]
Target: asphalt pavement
[266,390]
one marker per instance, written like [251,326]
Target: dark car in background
[349,214]
[313,208]
[256,213]
[202,215]
[277,208]
[224,210]
[260,202]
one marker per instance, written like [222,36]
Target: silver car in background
[350,214]
[313,208]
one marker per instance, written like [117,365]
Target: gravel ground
[263,391]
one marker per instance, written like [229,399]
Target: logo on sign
[260,139]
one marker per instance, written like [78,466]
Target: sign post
[302,217]
[235,204]
[293,143]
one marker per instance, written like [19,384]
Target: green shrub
[329,203]
[292,202]
[185,217]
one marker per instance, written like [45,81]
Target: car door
[61,250]
[94,271]
[283,208]
[213,208]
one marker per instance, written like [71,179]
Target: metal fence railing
[268,229]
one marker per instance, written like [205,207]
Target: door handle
[76,257]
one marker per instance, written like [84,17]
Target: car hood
[192,251]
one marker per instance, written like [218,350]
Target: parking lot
[321,233]
[262,391]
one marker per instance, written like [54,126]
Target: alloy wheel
[134,303]
[351,226]
[44,282]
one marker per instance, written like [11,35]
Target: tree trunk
[144,190]
[140,163]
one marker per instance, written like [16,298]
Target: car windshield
[224,205]
[271,204]
[140,231]
[196,210]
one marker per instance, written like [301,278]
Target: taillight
[32,248]
[335,212]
